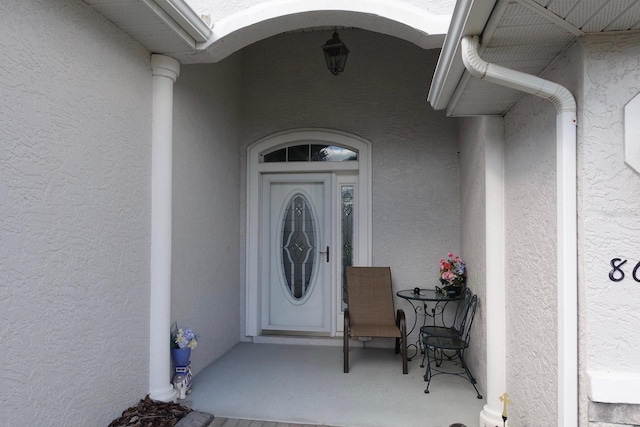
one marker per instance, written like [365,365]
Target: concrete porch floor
[304,384]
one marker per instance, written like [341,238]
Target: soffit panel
[630,20]
[597,15]
[483,96]
[158,41]
[147,23]
[528,35]
[127,13]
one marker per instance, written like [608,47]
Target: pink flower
[448,276]
[450,255]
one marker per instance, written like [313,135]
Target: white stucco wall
[530,175]
[206,200]
[531,254]
[609,206]
[530,247]
[75,98]
[380,97]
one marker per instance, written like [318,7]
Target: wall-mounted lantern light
[335,53]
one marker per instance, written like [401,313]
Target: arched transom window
[310,153]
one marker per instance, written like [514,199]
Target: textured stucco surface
[609,203]
[473,136]
[531,254]
[206,199]
[379,97]
[75,98]
[530,250]
[609,222]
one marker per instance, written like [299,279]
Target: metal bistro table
[437,310]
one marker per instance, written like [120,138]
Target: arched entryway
[423,26]
[257,170]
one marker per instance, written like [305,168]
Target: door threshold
[285,332]
[297,340]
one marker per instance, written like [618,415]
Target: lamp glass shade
[335,54]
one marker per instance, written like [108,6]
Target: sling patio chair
[370,311]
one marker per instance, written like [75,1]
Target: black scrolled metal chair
[370,310]
[455,346]
[457,323]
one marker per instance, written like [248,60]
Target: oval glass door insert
[298,246]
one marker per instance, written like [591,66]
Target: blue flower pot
[181,356]
[181,369]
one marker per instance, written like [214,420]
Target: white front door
[296,253]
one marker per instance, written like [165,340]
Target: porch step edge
[196,419]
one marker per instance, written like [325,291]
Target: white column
[491,414]
[567,269]
[165,71]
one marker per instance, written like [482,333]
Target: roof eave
[186,18]
[469,18]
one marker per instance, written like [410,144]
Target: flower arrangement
[183,338]
[453,271]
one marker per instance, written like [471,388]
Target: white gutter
[567,257]
[180,18]
[469,17]
[188,20]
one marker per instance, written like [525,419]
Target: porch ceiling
[524,35]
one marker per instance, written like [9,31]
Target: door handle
[327,252]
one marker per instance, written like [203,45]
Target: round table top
[427,295]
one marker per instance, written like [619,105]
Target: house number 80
[617,274]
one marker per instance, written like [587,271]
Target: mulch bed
[152,413]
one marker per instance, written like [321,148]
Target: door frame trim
[255,170]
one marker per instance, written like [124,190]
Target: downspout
[567,258]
